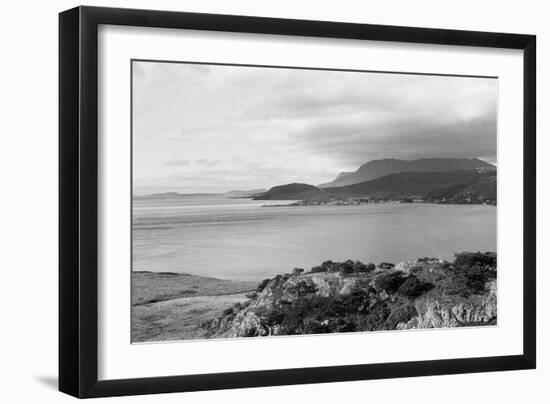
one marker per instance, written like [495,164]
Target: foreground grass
[170,306]
[153,287]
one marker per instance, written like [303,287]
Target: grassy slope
[168,306]
[151,287]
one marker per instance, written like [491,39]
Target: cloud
[178,163]
[206,163]
[217,127]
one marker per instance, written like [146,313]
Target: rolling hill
[292,192]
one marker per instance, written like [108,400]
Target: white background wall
[28,225]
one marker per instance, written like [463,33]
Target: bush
[389,282]
[475,269]
[302,288]
[315,314]
[358,267]
[486,261]
[468,274]
[252,295]
[262,285]
[386,265]
[375,318]
[297,271]
[413,288]
[346,267]
[370,267]
[317,269]
[228,311]
[324,267]
[400,314]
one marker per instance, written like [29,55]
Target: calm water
[237,238]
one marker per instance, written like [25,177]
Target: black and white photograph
[276,201]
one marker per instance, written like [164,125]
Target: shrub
[466,275]
[324,267]
[400,314]
[486,261]
[375,318]
[474,270]
[415,269]
[262,285]
[228,311]
[317,269]
[359,267]
[317,314]
[302,288]
[297,271]
[346,267]
[252,295]
[386,265]
[389,282]
[413,287]
[370,267]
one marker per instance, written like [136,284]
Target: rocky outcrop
[422,293]
[454,311]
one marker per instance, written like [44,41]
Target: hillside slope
[452,185]
[379,168]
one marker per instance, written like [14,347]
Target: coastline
[170,307]
[369,202]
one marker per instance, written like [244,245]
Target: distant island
[475,185]
[244,194]
[170,195]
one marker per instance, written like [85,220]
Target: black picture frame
[78,201]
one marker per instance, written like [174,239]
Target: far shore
[362,202]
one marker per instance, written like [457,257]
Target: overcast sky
[205,128]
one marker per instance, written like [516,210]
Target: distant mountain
[293,191]
[379,168]
[244,194]
[461,185]
[169,195]
[163,195]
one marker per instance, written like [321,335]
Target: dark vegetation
[412,287]
[292,191]
[390,282]
[346,267]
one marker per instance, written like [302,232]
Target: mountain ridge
[460,186]
[378,168]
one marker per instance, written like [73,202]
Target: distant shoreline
[362,203]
